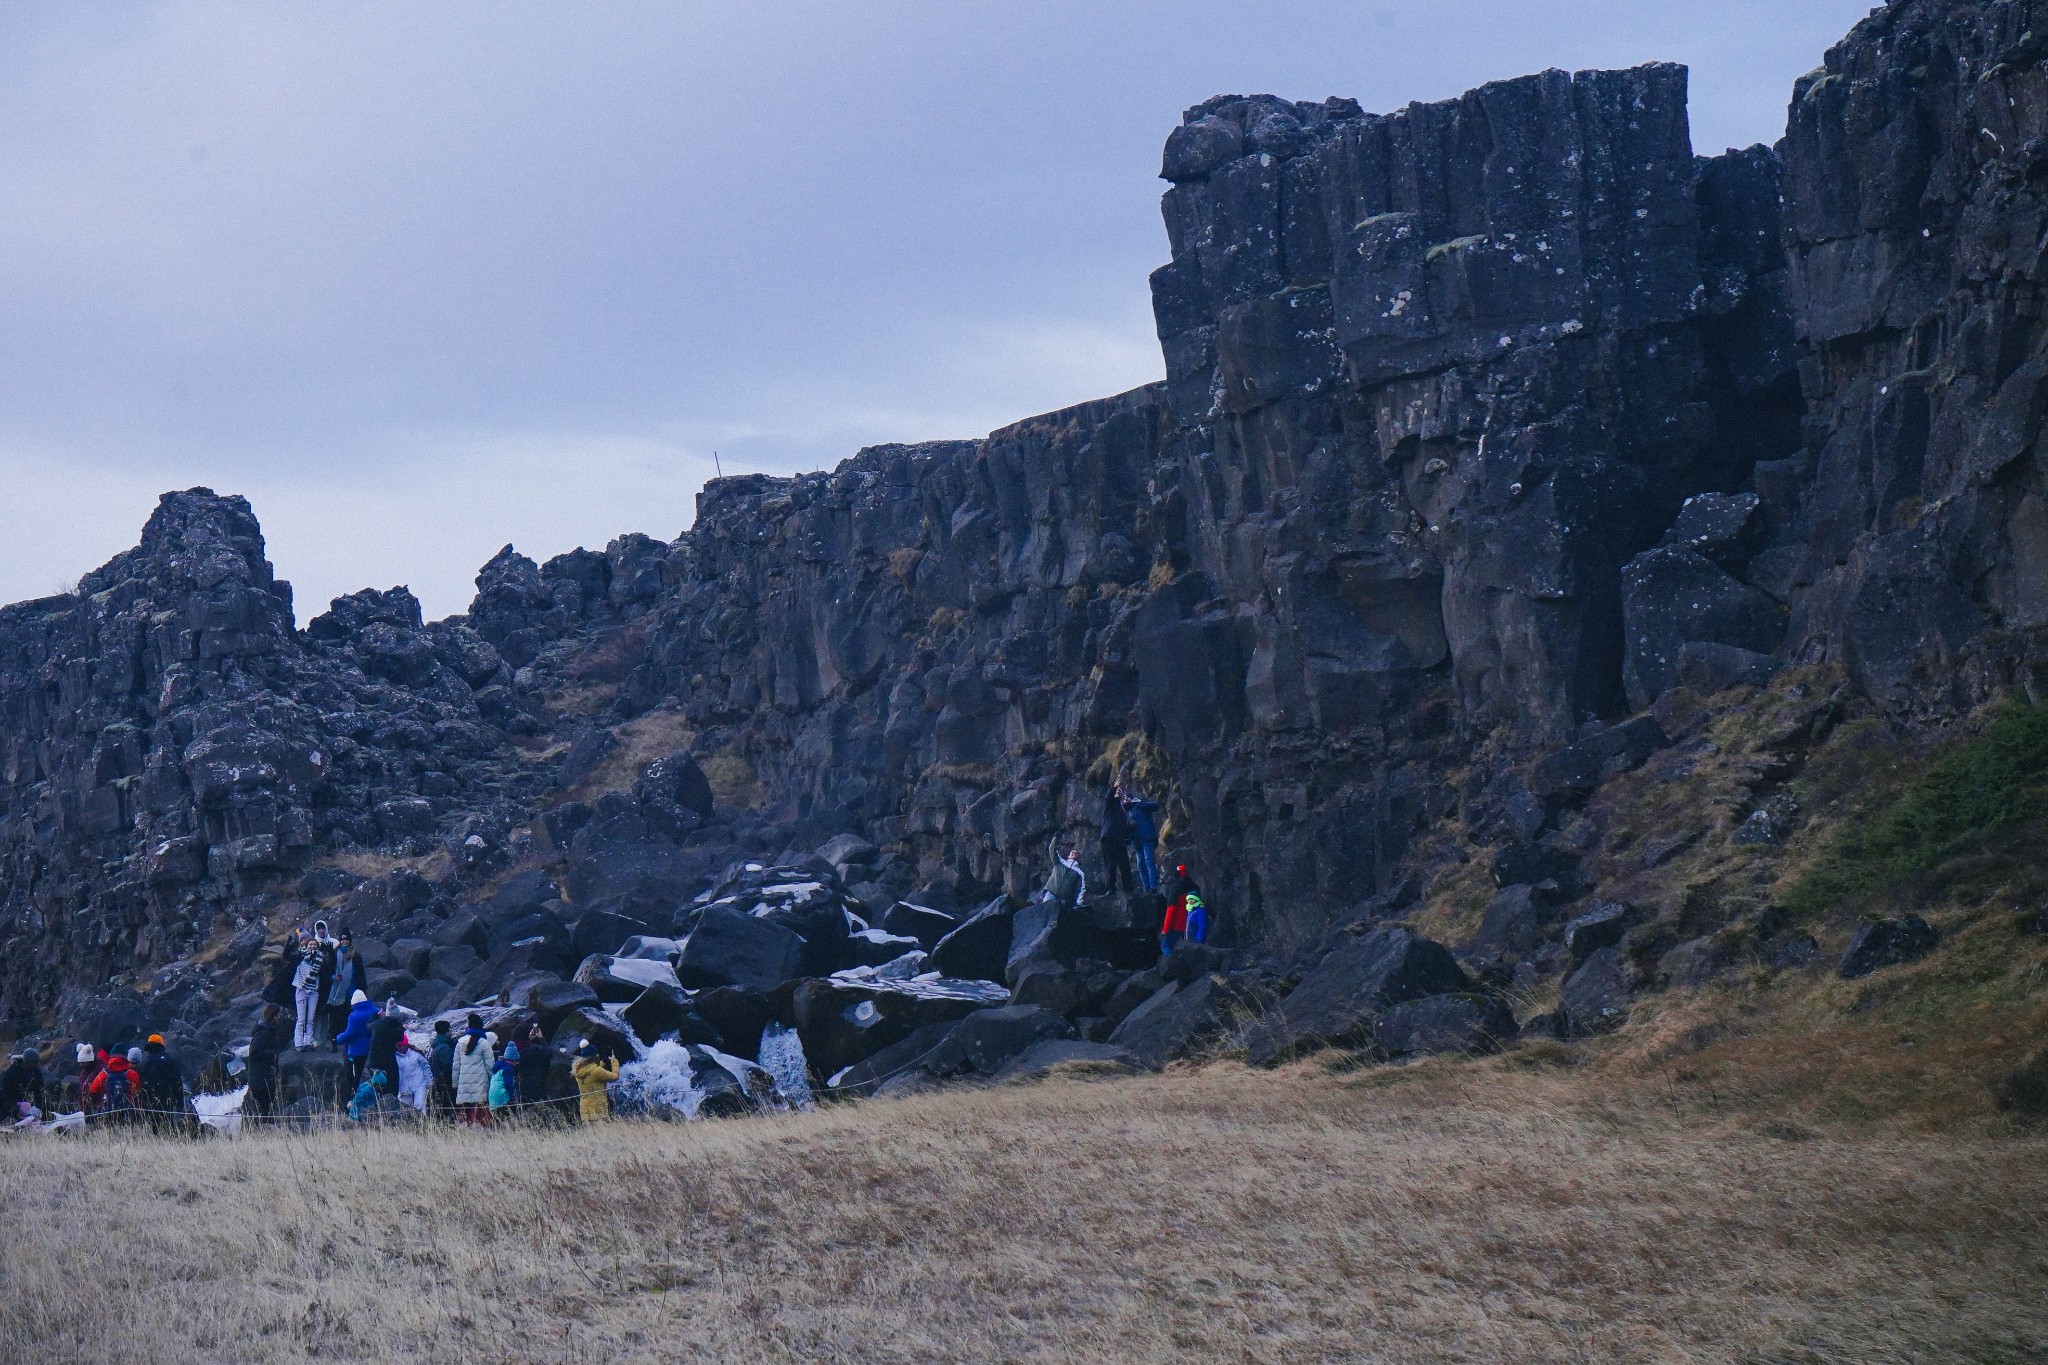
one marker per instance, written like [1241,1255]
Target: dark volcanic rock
[1596,996]
[1337,1002]
[1886,943]
[728,948]
[1444,1023]
[980,947]
[1483,422]
[1175,1020]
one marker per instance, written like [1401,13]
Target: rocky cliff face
[1488,425]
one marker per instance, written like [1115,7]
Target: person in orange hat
[163,1087]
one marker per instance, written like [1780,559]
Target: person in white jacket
[414,1074]
[475,1055]
[305,989]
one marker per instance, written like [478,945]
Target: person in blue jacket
[1143,816]
[355,1037]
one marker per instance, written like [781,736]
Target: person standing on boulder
[1144,818]
[474,1058]
[1197,913]
[1175,925]
[306,995]
[354,1037]
[1114,838]
[347,981]
[265,1042]
[592,1076]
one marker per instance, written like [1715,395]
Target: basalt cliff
[1506,448]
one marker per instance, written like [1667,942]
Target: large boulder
[1595,997]
[551,999]
[1050,933]
[842,1021]
[1464,1022]
[738,1015]
[867,1076]
[1337,1002]
[1886,943]
[620,980]
[920,922]
[663,1009]
[605,931]
[1040,1058]
[1177,1019]
[728,948]
[875,947]
[603,1031]
[987,1039]
[979,948]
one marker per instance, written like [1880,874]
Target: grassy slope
[1488,1211]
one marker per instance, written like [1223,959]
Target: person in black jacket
[22,1084]
[268,1039]
[385,1031]
[535,1057]
[1115,836]
[442,1063]
[163,1088]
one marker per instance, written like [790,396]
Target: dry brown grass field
[1519,1209]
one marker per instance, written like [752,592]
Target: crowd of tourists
[472,1075]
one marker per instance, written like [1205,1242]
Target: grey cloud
[421,279]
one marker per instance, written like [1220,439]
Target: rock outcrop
[1492,430]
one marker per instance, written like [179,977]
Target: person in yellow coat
[592,1076]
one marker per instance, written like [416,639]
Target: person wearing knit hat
[592,1078]
[355,1035]
[162,1086]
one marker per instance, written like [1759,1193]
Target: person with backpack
[354,1037]
[385,1030]
[305,989]
[21,1088]
[1144,818]
[475,1056]
[347,981]
[266,1041]
[504,1091]
[114,1091]
[592,1076]
[441,1064]
[1113,837]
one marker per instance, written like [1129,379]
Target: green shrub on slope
[1976,787]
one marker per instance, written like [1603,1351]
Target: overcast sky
[419,279]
